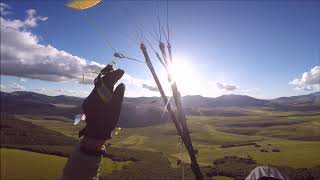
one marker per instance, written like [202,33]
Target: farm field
[208,138]
[295,135]
[15,164]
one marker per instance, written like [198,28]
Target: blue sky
[262,49]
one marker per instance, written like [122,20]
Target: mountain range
[144,111]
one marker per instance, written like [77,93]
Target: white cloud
[62,91]
[70,92]
[40,90]
[227,87]
[12,87]
[29,22]
[252,90]
[308,88]
[22,79]
[210,89]
[150,88]
[32,19]
[134,86]
[17,87]
[309,81]
[3,87]
[22,54]
[3,9]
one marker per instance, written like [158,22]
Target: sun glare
[184,75]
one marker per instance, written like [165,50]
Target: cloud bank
[12,87]
[22,54]
[150,88]
[309,81]
[3,9]
[227,87]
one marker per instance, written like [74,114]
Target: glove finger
[105,84]
[111,78]
[81,132]
[116,102]
[93,102]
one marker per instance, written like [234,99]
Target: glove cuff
[97,133]
[92,147]
[96,136]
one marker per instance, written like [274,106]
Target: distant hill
[141,101]
[197,101]
[238,101]
[135,111]
[194,101]
[18,132]
[303,100]
[30,103]
[40,98]
[233,100]
[144,111]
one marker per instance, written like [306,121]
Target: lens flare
[184,75]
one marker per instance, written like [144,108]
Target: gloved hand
[102,107]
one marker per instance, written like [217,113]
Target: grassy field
[59,124]
[209,133]
[64,105]
[15,164]
[295,134]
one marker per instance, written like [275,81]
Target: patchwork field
[15,164]
[296,137]
[288,139]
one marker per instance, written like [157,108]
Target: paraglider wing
[82,4]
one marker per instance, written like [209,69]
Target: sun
[185,75]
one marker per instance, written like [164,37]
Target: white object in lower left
[78,118]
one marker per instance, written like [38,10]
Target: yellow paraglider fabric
[82,4]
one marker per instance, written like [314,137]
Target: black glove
[102,107]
